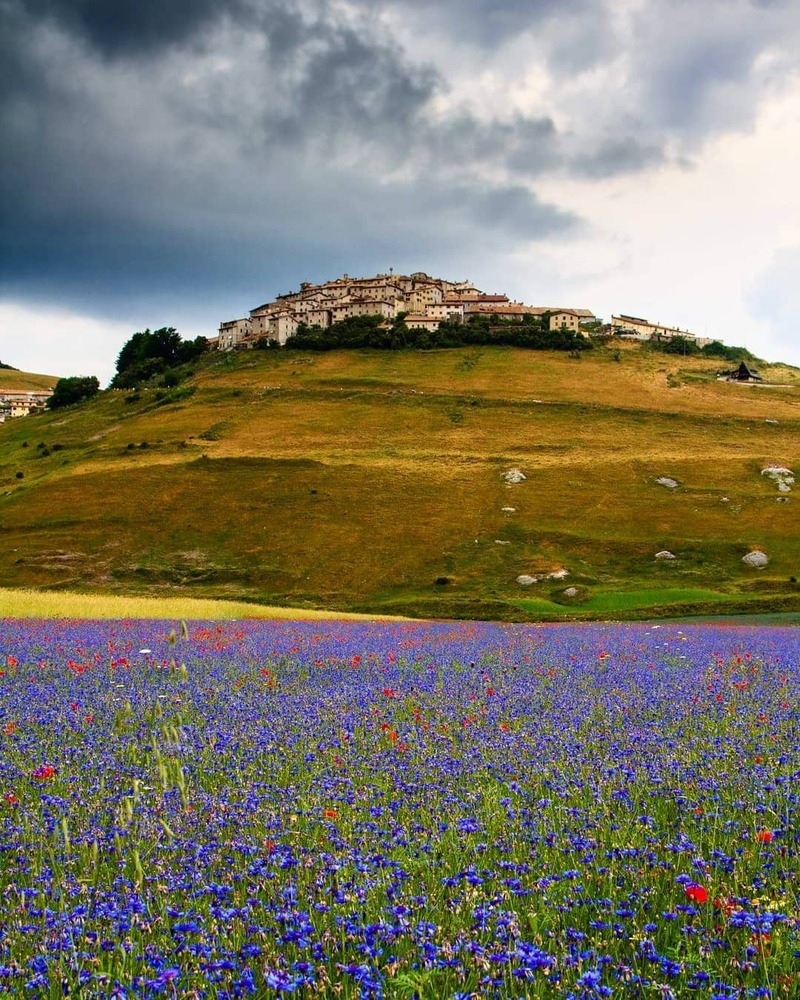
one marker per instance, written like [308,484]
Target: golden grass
[11,380]
[641,380]
[61,604]
[357,479]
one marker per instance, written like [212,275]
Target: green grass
[622,600]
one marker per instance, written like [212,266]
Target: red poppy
[43,773]
[765,836]
[10,799]
[696,893]
[330,814]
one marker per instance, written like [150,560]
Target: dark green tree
[148,353]
[71,390]
[680,345]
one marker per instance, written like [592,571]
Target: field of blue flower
[398,810]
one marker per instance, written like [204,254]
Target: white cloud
[52,341]
[687,246]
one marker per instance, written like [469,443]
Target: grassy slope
[11,380]
[354,480]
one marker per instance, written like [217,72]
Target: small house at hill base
[745,373]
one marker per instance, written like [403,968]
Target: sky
[178,163]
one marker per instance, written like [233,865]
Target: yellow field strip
[63,604]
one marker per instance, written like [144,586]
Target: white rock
[559,574]
[724,500]
[781,499]
[500,541]
[571,592]
[756,559]
[664,554]
[781,475]
[514,476]
[769,421]
[525,581]
[666,481]
[509,510]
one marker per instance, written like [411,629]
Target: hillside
[11,380]
[373,481]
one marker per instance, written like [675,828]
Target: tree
[680,345]
[148,353]
[71,390]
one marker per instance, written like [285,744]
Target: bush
[718,350]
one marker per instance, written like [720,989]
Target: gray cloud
[488,22]
[626,154]
[698,70]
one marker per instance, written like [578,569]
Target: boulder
[509,510]
[671,484]
[664,554]
[779,474]
[571,592]
[514,476]
[757,559]
[525,581]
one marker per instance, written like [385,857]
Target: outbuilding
[745,373]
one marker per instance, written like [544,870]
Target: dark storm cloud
[188,148]
[325,76]
[292,135]
[116,27]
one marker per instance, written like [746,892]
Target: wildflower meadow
[398,810]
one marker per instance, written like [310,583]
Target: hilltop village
[426,302]
[414,302]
